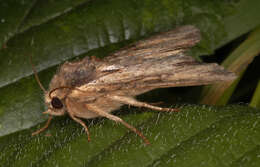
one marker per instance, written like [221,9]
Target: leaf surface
[198,135]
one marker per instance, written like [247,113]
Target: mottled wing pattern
[157,62]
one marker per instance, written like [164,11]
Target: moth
[93,88]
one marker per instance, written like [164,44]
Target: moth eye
[56,103]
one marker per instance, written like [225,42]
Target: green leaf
[196,136]
[221,144]
[236,62]
[12,14]
[255,101]
[43,11]
[17,16]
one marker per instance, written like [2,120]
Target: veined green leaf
[198,135]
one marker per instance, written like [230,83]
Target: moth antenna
[36,75]
[63,87]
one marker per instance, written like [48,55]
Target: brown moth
[94,88]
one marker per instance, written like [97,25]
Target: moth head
[54,100]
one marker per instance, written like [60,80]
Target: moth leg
[134,102]
[117,119]
[44,127]
[81,123]
[71,111]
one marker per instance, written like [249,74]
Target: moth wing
[156,47]
[157,62]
